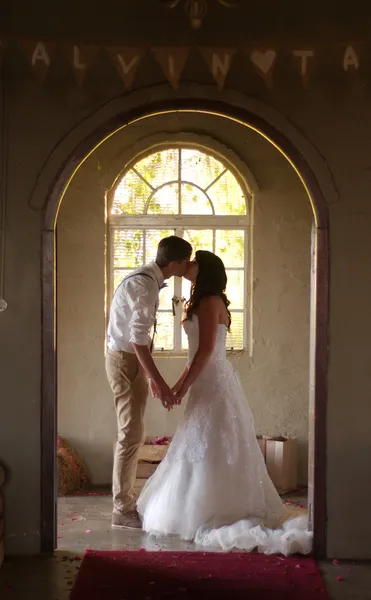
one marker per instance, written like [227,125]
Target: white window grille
[187,192]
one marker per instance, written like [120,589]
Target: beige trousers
[130,389]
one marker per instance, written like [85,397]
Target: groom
[129,364]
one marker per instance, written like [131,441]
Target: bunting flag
[219,61]
[172,62]
[40,55]
[263,62]
[347,59]
[81,58]
[126,60]
[303,59]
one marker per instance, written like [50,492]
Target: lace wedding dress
[213,486]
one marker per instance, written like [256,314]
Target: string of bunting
[172,59]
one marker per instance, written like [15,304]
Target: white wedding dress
[212,486]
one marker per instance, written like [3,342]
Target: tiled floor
[84,522]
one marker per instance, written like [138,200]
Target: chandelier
[197,9]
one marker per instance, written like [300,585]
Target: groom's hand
[161,390]
[166,396]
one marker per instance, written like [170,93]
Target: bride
[212,486]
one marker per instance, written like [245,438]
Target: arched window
[188,192]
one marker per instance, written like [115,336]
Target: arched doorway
[319,301]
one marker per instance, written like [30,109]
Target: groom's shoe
[129,520]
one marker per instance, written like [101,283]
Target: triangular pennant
[81,59]
[263,62]
[40,55]
[126,60]
[172,61]
[304,63]
[219,61]
[354,57]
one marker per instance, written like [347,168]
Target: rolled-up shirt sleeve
[142,298]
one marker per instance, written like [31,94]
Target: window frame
[178,223]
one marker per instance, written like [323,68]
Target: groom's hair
[171,249]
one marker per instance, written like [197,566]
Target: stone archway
[319,302]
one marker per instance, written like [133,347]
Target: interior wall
[275,377]
[327,121]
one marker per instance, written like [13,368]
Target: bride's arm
[208,318]
[180,381]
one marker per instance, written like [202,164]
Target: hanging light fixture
[197,9]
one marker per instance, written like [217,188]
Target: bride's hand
[179,395]
[176,387]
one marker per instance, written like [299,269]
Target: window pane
[130,196]
[227,196]
[193,201]
[200,168]
[153,237]
[235,289]
[164,339]
[165,201]
[230,245]
[200,239]
[235,337]
[127,248]
[166,295]
[160,167]
[118,276]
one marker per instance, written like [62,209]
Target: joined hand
[162,391]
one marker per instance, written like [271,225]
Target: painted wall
[329,123]
[275,377]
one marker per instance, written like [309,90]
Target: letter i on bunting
[172,61]
[126,60]
[40,55]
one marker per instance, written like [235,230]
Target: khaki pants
[130,389]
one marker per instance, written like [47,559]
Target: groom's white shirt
[133,309]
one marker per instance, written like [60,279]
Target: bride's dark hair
[211,281]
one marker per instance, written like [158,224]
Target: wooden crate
[146,469]
[152,453]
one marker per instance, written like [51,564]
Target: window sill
[184,354]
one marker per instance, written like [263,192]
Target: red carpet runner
[141,575]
